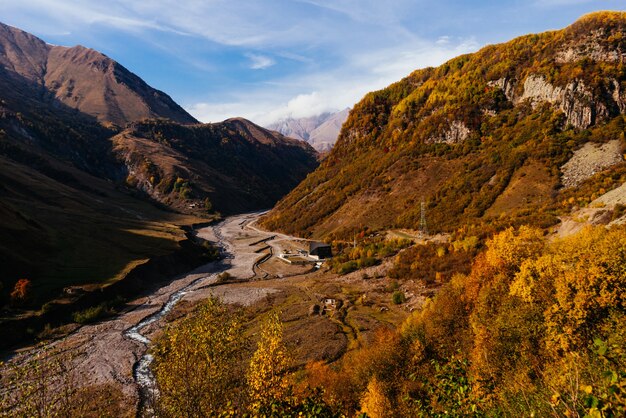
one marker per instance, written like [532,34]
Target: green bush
[348,267]
[367,262]
[398,297]
[211,251]
[47,307]
[223,277]
[91,314]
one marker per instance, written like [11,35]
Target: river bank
[111,351]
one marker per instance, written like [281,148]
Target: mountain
[320,131]
[84,79]
[83,200]
[237,165]
[482,140]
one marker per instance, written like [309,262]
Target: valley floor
[107,353]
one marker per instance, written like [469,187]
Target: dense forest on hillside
[455,136]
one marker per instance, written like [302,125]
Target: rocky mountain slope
[231,166]
[83,200]
[481,139]
[320,131]
[84,79]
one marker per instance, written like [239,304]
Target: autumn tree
[198,364]
[21,291]
[267,380]
[375,402]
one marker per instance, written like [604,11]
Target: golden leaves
[266,377]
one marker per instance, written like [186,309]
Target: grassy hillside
[461,135]
[86,233]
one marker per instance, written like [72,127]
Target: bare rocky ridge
[320,131]
[85,79]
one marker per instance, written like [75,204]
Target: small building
[320,250]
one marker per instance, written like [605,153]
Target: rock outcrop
[592,47]
[575,100]
[456,133]
[589,160]
[579,104]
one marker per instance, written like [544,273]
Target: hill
[481,139]
[233,166]
[320,131]
[84,79]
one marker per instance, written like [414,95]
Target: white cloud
[336,88]
[331,52]
[260,62]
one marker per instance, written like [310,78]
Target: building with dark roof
[320,250]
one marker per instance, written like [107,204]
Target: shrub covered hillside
[461,135]
[534,329]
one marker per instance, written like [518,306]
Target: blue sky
[266,60]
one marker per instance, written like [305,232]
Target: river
[115,351]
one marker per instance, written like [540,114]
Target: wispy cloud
[260,62]
[315,55]
[332,89]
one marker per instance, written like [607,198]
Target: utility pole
[423,228]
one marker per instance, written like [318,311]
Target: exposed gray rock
[589,160]
[582,109]
[575,100]
[507,86]
[456,133]
[619,96]
[592,48]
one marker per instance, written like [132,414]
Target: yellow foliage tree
[509,248]
[374,402]
[504,330]
[577,282]
[197,364]
[267,380]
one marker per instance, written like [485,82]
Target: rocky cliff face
[457,132]
[578,103]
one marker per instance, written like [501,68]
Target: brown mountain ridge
[85,79]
